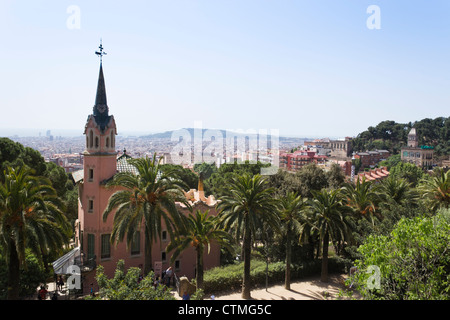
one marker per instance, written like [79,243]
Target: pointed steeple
[101,106]
[101,109]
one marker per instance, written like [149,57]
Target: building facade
[298,159]
[371,158]
[92,234]
[421,156]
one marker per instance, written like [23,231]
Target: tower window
[96,142]
[91,139]
[107,142]
[91,174]
[91,205]
[112,138]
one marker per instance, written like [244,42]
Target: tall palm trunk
[199,278]
[13,273]
[148,254]
[247,253]
[287,276]
[324,275]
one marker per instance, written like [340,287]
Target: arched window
[96,142]
[112,138]
[91,138]
[107,142]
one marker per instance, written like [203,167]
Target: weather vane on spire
[100,53]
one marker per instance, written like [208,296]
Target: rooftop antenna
[100,53]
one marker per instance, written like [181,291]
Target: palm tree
[395,189]
[248,203]
[329,219]
[145,200]
[292,209]
[362,199]
[201,229]
[436,190]
[30,217]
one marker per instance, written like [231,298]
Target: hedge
[230,277]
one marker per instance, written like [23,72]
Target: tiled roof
[78,175]
[123,165]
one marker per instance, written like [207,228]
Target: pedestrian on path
[42,294]
[169,274]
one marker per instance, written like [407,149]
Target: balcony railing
[86,263]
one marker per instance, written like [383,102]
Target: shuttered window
[106,246]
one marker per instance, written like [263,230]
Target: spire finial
[100,53]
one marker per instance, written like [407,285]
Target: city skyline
[306,68]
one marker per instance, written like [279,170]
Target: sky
[308,68]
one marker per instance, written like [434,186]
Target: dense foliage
[127,285]
[413,260]
[30,277]
[391,136]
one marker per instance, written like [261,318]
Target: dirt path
[307,289]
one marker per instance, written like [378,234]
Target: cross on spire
[100,53]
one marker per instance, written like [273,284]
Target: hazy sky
[305,67]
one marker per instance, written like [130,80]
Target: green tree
[436,190]
[310,178]
[205,170]
[335,176]
[412,261]
[391,161]
[14,154]
[201,230]
[216,184]
[145,199]
[362,199]
[395,189]
[30,217]
[329,219]
[186,175]
[126,285]
[407,171]
[246,205]
[284,182]
[292,216]
[32,274]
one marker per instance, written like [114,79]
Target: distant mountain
[168,134]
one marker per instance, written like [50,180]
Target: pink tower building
[92,234]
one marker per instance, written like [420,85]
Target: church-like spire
[101,105]
[101,109]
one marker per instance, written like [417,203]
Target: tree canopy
[391,135]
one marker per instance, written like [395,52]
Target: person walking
[60,283]
[42,294]
[169,274]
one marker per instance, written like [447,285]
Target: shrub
[230,277]
[125,285]
[31,276]
[413,261]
